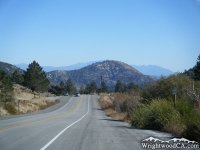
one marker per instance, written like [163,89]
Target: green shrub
[184,107]
[10,107]
[155,115]
[183,120]
[192,122]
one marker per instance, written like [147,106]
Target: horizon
[139,32]
[88,62]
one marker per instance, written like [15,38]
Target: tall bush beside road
[6,87]
[161,115]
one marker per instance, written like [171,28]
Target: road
[79,124]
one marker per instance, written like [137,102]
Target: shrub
[192,122]
[155,115]
[10,107]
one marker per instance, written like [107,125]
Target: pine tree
[87,89]
[197,69]
[17,77]
[104,87]
[93,87]
[132,86]
[35,78]
[6,87]
[62,88]
[71,89]
[81,91]
[119,86]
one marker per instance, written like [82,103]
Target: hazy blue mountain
[51,68]
[22,66]
[153,70]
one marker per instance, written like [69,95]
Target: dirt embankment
[25,101]
[106,102]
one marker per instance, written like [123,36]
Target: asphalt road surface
[77,123]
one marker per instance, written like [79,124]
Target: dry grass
[175,129]
[34,105]
[106,103]
[28,102]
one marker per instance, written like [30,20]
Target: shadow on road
[111,120]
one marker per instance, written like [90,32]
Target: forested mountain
[111,71]
[9,68]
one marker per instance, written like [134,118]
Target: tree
[71,89]
[93,87]
[197,69]
[132,86]
[6,87]
[62,88]
[104,87]
[87,89]
[35,78]
[55,89]
[119,86]
[81,91]
[17,77]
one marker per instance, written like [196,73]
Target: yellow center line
[39,120]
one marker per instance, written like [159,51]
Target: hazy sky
[64,32]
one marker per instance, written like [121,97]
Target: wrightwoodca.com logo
[175,143]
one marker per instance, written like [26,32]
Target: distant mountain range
[111,71]
[51,68]
[152,70]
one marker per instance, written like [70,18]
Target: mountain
[51,68]
[111,71]
[153,70]
[9,68]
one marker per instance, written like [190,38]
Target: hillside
[9,68]
[111,71]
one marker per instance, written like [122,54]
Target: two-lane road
[79,124]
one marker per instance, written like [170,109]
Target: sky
[165,33]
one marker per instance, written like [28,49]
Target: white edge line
[49,143]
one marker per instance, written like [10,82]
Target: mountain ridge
[152,70]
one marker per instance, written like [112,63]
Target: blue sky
[64,32]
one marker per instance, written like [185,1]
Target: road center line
[50,142]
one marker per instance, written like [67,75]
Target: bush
[192,122]
[155,115]
[10,107]
[160,114]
